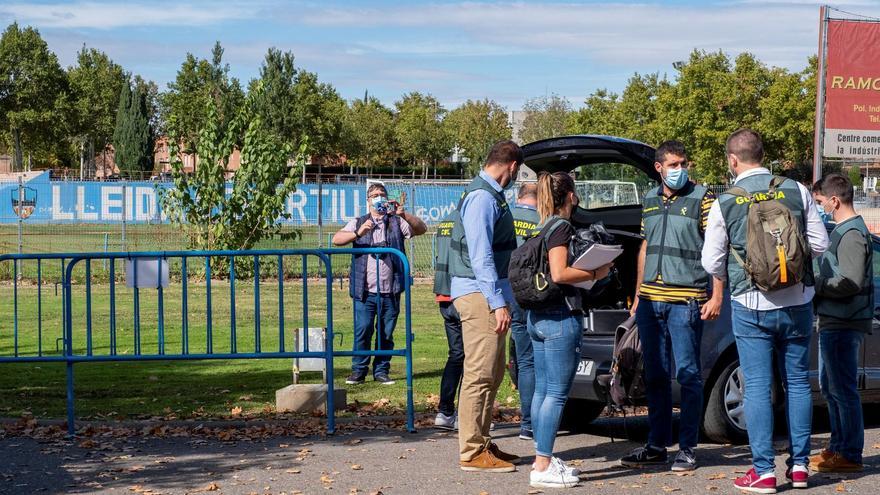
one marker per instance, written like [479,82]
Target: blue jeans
[785,334]
[525,363]
[838,376]
[451,378]
[670,330]
[556,341]
[377,313]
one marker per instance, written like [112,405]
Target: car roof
[565,153]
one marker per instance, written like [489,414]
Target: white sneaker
[445,422]
[553,477]
[559,462]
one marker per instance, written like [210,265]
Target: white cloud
[97,15]
[781,32]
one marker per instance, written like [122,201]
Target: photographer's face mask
[380,204]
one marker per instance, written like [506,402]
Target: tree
[95,83]
[132,138]
[788,116]
[710,100]
[370,131]
[419,131]
[200,83]
[475,126]
[200,205]
[34,99]
[596,117]
[546,117]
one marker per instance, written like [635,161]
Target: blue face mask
[380,204]
[676,178]
[824,215]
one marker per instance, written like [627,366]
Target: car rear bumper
[596,354]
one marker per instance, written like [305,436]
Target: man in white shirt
[767,323]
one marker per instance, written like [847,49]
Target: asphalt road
[385,460]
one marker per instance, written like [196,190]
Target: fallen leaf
[876,446]
[212,487]
[534,492]
[292,471]
[326,479]
[711,487]
[353,441]
[670,489]
[484,493]
[717,476]
[841,488]
[356,467]
[236,411]
[684,473]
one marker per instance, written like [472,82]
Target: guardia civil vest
[357,287]
[735,211]
[675,243]
[503,238]
[442,252]
[860,306]
[525,223]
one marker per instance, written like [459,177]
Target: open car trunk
[613,175]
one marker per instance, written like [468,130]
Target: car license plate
[585,367]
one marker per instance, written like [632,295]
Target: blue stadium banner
[51,201]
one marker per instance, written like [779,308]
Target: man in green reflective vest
[525,222]
[845,304]
[451,378]
[671,303]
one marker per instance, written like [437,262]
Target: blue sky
[507,51]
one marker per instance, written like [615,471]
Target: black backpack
[529,270]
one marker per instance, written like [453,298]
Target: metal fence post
[124,213]
[412,242]
[20,219]
[320,212]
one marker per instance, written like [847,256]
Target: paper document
[595,256]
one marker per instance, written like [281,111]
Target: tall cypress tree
[132,136]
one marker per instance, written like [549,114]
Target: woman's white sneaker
[555,476]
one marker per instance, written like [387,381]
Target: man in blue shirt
[482,240]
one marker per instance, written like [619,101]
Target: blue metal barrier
[76,351]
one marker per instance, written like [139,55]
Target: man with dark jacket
[375,282]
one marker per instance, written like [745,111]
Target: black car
[613,175]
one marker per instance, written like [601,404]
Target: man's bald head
[528,194]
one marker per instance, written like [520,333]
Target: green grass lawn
[196,388]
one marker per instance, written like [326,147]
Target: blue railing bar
[280,303]
[113,306]
[184,324]
[15,307]
[71,414]
[197,254]
[328,345]
[89,307]
[305,278]
[137,307]
[79,358]
[232,336]
[209,330]
[68,348]
[39,307]
[257,304]
[160,295]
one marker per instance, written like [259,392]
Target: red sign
[852,89]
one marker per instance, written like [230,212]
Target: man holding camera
[376,281]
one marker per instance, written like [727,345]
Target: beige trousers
[483,373]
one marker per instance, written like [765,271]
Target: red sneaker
[797,476]
[751,482]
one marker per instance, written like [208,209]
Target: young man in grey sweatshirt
[845,305]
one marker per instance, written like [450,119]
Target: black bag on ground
[529,271]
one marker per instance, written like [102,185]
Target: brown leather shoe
[839,464]
[504,456]
[487,463]
[820,457]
